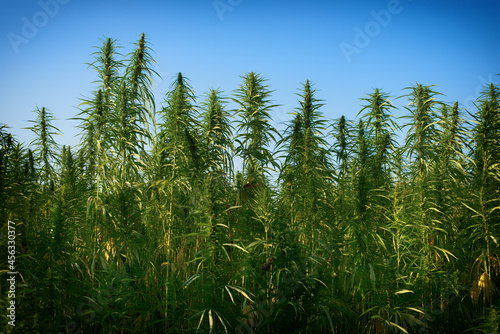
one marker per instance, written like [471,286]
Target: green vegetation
[148,227]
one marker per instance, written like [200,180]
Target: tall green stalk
[486,183]
[421,142]
[255,132]
[305,169]
[381,128]
[45,146]
[217,134]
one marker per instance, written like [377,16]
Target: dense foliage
[330,226]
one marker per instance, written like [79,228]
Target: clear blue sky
[346,48]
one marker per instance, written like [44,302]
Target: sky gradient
[345,48]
